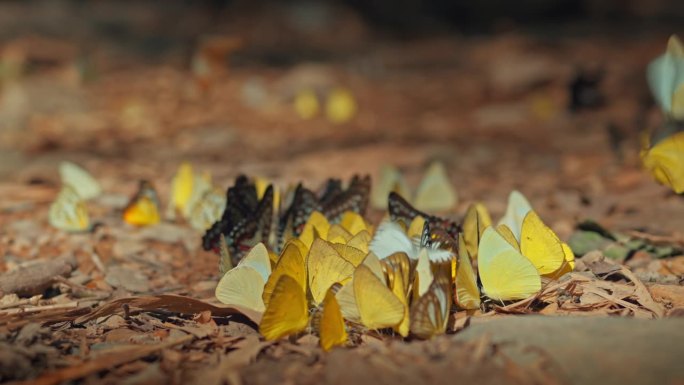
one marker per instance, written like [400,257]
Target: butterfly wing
[518,207]
[378,307]
[467,293]
[331,329]
[143,208]
[435,192]
[290,263]
[287,311]
[430,313]
[541,245]
[242,286]
[504,272]
[68,212]
[325,267]
[85,185]
[390,238]
[665,161]
[476,220]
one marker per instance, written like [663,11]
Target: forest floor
[494,109]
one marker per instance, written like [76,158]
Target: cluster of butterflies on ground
[327,271]
[665,159]
[193,197]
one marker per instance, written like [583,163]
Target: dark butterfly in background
[247,220]
[402,211]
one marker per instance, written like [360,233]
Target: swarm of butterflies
[193,197]
[321,268]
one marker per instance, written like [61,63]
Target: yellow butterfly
[467,294]
[665,161]
[346,297]
[504,272]
[541,246]
[325,267]
[430,313]
[244,285]
[288,313]
[143,208]
[291,263]
[68,212]
[80,180]
[377,306]
[181,190]
[476,220]
[434,193]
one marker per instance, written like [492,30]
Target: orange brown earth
[136,305]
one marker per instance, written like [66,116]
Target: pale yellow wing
[504,272]
[259,260]
[541,245]
[390,179]
[68,212]
[435,192]
[347,301]
[325,266]
[423,275]
[287,312]
[332,331]
[207,210]
[83,183]
[291,263]
[378,307]
[242,286]
[518,207]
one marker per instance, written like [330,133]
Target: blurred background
[546,97]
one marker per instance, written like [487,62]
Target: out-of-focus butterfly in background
[434,193]
[68,212]
[143,208]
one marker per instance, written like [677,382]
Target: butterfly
[243,285]
[143,208]
[665,161]
[340,106]
[306,104]
[80,180]
[246,219]
[476,220]
[467,295]
[522,228]
[288,314]
[518,207]
[430,312]
[294,281]
[182,187]
[434,193]
[504,272]
[207,210]
[402,211]
[666,79]
[68,212]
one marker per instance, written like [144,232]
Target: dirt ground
[493,108]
